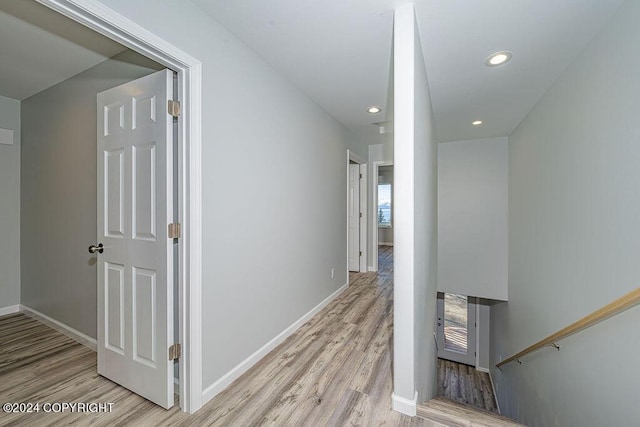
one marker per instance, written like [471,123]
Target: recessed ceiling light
[374,109]
[498,58]
[477,123]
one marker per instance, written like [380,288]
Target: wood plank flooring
[465,384]
[335,370]
[453,414]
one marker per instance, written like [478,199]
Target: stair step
[453,414]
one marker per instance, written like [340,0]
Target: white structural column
[415,226]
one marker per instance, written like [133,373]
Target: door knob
[93,248]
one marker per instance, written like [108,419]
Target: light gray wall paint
[415,250]
[385,176]
[10,205]
[472,217]
[425,241]
[385,235]
[574,240]
[274,189]
[484,333]
[59,192]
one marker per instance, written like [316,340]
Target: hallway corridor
[335,370]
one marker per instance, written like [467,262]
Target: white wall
[574,240]
[58,192]
[274,230]
[10,205]
[472,217]
[483,330]
[415,246]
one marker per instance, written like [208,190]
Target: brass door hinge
[174,108]
[174,231]
[175,351]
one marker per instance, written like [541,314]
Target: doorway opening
[382,207]
[95,19]
[456,328]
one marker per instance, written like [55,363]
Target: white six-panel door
[135,271]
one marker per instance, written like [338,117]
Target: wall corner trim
[211,391]
[9,310]
[493,388]
[404,405]
[75,335]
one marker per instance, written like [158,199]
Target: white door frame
[107,22]
[374,210]
[353,157]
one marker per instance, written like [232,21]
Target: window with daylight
[384,205]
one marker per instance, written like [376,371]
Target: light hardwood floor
[465,384]
[335,370]
[452,414]
[465,399]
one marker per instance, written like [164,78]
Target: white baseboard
[9,310]
[78,336]
[211,391]
[481,369]
[371,269]
[405,406]
[385,243]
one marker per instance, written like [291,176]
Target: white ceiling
[40,48]
[339,53]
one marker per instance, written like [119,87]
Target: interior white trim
[404,405]
[477,330]
[215,388]
[385,243]
[9,309]
[347,230]
[493,388]
[374,210]
[75,335]
[481,369]
[353,157]
[107,22]
[363,219]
